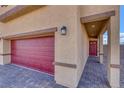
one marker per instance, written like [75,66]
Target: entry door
[35,53]
[93,48]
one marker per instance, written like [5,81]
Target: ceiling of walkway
[94,23]
[94,28]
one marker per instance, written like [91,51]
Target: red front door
[36,53]
[93,48]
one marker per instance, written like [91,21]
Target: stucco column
[5,52]
[101,48]
[114,52]
[98,50]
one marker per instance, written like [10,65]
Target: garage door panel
[34,63]
[42,51]
[34,43]
[36,57]
[37,53]
[34,53]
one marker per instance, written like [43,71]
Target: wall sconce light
[63,30]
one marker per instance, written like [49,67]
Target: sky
[122,18]
[122,24]
[121,27]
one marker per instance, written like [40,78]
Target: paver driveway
[12,76]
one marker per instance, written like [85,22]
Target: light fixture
[63,30]
[93,26]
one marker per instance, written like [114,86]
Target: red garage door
[36,53]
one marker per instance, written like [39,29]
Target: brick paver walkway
[94,75]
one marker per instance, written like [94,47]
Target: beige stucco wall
[100,37]
[72,48]
[65,46]
[5,48]
[82,44]
[48,17]
[114,49]
[2,29]
[83,51]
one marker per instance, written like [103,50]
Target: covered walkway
[94,75]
